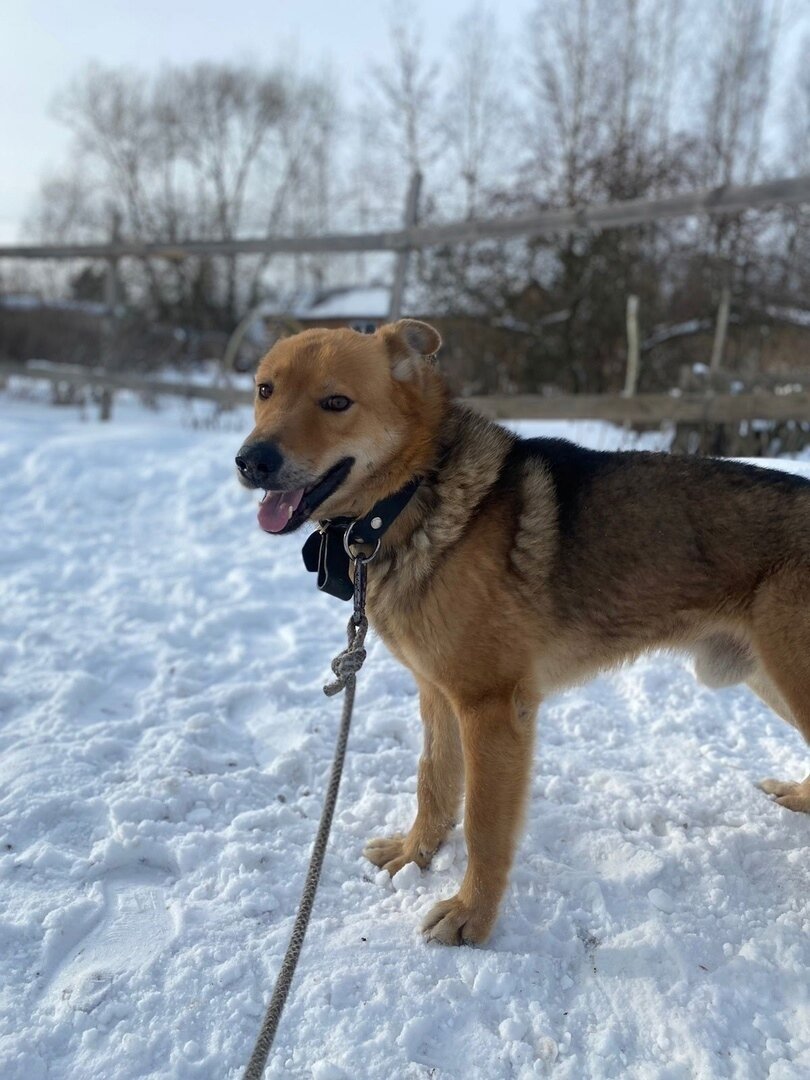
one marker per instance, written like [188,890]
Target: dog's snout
[259,463]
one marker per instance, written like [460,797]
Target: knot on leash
[347,663]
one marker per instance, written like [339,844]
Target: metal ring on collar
[347,542]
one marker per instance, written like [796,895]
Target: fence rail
[642,408]
[722,200]
[698,408]
[74,375]
[648,408]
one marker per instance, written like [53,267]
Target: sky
[43,43]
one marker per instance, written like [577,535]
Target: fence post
[633,361]
[108,326]
[403,256]
[720,329]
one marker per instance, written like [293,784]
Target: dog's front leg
[497,739]
[438,790]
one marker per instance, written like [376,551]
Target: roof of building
[346,302]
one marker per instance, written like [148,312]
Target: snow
[350,302]
[374,302]
[26,302]
[797,316]
[164,747]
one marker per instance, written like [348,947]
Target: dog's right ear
[408,342]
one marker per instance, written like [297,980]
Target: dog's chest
[399,609]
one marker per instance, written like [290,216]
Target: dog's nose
[259,463]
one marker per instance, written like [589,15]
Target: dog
[520,566]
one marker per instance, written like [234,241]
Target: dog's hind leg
[764,687]
[782,643]
[497,735]
[795,796]
[438,789]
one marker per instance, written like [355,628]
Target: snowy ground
[164,744]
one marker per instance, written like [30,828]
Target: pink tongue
[276,508]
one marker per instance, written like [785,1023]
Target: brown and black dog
[522,566]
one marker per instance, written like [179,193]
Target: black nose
[259,463]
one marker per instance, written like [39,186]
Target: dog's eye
[336,403]
[264,390]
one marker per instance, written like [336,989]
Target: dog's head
[342,419]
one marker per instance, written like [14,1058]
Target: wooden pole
[403,257]
[108,326]
[720,330]
[631,375]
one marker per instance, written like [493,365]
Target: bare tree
[207,150]
[568,94]
[225,116]
[404,93]
[737,97]
[477,105]
[738,86]
[795,277]
[797,113]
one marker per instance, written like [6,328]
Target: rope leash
[345,667]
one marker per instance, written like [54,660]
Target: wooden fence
[711,201]
[630,408]
[718,408]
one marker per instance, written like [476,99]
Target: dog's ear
[407,342]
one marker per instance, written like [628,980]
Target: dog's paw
[452,922]
[790,795]
[391,853]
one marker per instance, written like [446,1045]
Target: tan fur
[498,585]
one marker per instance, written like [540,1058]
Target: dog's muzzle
[259,464]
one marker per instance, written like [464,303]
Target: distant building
[362,308]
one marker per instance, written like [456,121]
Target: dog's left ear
[407,343]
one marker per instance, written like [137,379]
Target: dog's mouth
[285,511]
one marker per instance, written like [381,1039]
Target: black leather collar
[326,551]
